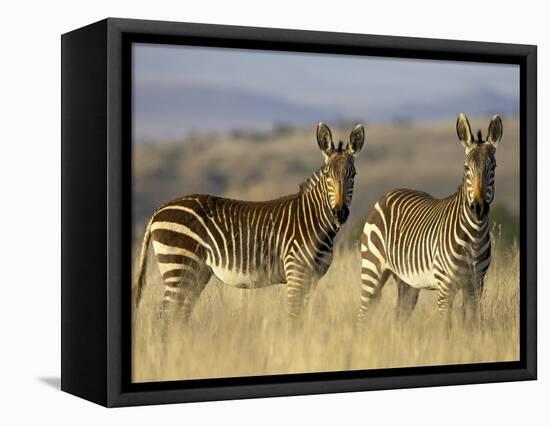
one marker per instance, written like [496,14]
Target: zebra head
[338,172]
[480,163]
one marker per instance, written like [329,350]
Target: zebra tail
[143,262]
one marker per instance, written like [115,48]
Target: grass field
[237,332]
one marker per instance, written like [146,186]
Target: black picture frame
[96,212]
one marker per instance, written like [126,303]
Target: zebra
[246,244]
[437,244]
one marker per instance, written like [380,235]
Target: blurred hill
[164,113]
[184,110]
[264,165]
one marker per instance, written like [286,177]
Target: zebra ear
[494,134]
[464,131]
[324,139]
[356,139]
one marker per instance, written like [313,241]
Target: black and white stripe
[254,244]
[437,244]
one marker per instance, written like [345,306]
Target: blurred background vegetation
[262,165]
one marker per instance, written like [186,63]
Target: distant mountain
[167,112]
[482,102]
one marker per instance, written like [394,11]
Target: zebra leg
[372,282]
[445,299]
[299,284]
[194,291]
[407,296]
[374,273]
[181,297]
[471,300]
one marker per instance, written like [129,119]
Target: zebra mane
[310,182]
[479,138]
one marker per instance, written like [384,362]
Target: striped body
[251,244]
[425,243]
[245,244]
[435,244]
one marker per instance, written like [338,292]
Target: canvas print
[310,212]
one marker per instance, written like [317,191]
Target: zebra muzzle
[479,208]
[341,214]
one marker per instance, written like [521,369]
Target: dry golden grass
[236,332]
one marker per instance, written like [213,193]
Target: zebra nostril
[480,209]
[477,208]
[341,214]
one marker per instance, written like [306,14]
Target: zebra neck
[314,198]
[470,229]
[311,182]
